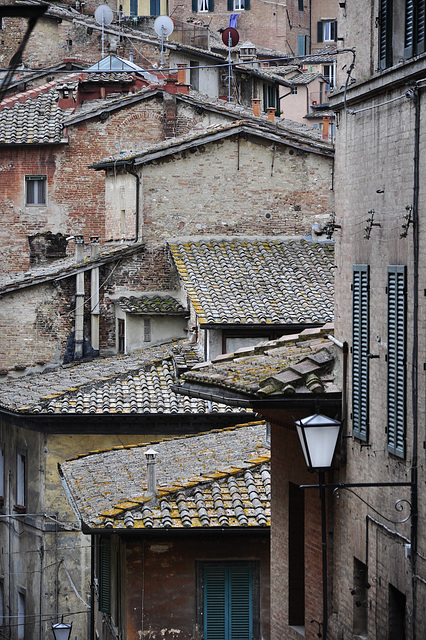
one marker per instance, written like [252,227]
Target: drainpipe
[79,300]
[94,296]
[133,173]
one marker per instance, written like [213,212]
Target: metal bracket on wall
[370,224]
[408,220]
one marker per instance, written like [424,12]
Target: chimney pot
[271,114]
[256,107]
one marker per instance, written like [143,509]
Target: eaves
[69,271]
[127,424]
[169,533]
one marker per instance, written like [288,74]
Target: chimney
[94,296]
[182,73]
[271,114]
[256,107]
[325,125]
[79,300]
[150,456]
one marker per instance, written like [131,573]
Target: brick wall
[225,188]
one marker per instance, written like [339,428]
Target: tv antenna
[163,26]
[230,38]
[103,16]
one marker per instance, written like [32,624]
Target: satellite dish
[163,26]
[103,14]
[230,37]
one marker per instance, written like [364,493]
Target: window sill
[300,629]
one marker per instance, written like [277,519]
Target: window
[401,30]
[104,569]
[35,190]
[329,73]
[228,603]
[133,7]
[147,330]
[360,350]
[360,599]
[2,621]
[202,6]
[154,8]
[302,45]
[21,615]
[121,335]
[238,5]
[396,387]
[397,608]
[296,556]
[300,5]
[21,482]
[270,97]
[327,31]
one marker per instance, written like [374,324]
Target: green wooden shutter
[396,387]
[211,5]
[302,45]
[105,575]
[228,603]
[230,5]
[195,6]
[300,5]
[241,604]
[320,32]
[360,350]
[409,29]
[247,5]
[420,27]
[385,34]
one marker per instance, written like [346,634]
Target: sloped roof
[295,365]
[32,118]
[140,383]
[151,305]
[216,479]
[257,281]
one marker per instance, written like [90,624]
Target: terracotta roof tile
[151,305]
[215,479]
[230,281]
[37,120]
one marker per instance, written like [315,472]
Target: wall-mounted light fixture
[62,630]
[318,437]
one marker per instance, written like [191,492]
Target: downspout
[79,300]
[414,95]
[138,180]
[94,296]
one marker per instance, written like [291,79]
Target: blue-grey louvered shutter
[396,386]
[385,34]
[360,350]
[104,574]
[241,603]
[215,609]
[195,6]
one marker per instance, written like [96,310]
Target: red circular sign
[230,34]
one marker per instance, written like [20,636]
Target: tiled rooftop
[217,479]
[37,120]
[291,365]
[135,384]
[151,305]
[230,280]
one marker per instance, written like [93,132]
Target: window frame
[253,566]
[360,350]
[321,29]
[40,200]
[396,360]
[232,5]
[21,484]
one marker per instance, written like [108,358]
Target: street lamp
[62,630]
[318,437]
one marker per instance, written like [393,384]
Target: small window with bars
[147,330]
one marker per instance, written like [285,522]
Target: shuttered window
[414,36]
[360,350]
[396,386]
[105,575]
[228,603]
[385,33]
